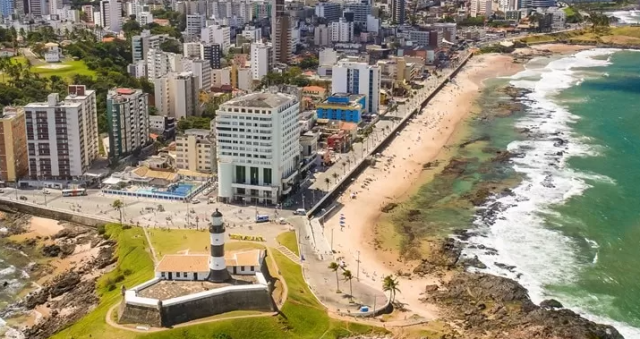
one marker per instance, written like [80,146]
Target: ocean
[571,226]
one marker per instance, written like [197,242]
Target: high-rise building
[158,64]
[217,34]
[258,147]
[481,8]
[260,57]
[357,78]
[6,8]
[282,37]
[213,54]
[128,119]
[88,12]
[183,93]
[201,70]
[37,7]
[329,11]
[161,95]
[111,15]
[360,11]
[62,136]
[195,151]
[14,163]
[342,31]
[322,35]
[195,24]
[398,11]
[144,18]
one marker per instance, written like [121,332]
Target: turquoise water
[572,227]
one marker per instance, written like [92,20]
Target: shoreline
[443,120]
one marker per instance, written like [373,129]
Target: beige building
[196,151]
[14,162]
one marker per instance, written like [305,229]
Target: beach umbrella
[341,222]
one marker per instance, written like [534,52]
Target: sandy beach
[420,142]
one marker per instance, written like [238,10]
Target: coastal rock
[474,262]
[388,207]
[509,268]
[512,315]
[51,250]
[431,288]
[551,303]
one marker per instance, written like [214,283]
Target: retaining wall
[12,206]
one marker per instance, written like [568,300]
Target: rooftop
[260,100]
[168,289]
[200,262]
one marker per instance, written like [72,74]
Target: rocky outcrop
[489,306]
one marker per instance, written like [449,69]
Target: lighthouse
[217,266]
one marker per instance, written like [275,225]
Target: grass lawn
[172,241]
[289,240]
[73,67]
[568,11]
[302,315]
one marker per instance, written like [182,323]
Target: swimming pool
[178,190]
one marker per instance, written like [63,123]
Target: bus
[262,218]
[74,192]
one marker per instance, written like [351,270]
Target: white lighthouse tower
[217,266]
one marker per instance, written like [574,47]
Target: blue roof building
[343,107]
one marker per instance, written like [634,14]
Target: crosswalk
[287,253]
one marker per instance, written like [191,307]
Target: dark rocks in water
[445,255]
[5,283]
[462,234]
[469,142]
[502,156]
[512,314]
[51,250]
[455,167]
[551,303]
[509,268]
[557,142]
[474,262]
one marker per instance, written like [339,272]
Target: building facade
[128,119]
[260,57]
[62,136]
[343,107]
[195,151]
[14,163]
[357,78]
[258,147]
[183,95]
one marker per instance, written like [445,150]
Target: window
[241,268]
[162,275]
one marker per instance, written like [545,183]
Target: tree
[335,176]
[171,46]
[344,166]
[390,284]
[118,205]
[333,266]
[328,182]
[347,276]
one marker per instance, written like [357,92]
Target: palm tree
[390,284]
[335,176]
[118,205]
[344,165]
[333,266]
[328,182]
[347,276]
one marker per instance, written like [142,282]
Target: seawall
[12,206]
[328,199]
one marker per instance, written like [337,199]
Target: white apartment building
[245,79]
[322,35]
[357,78]
[252,33]
[128,119]
[258,147]
[162,98]
[52,52]
[217,34]
[111,15]
[481,8]
[141,44]
[201,69]
[195,24]
[342,31]
[196,151]
[260,57]
[62,136]
[220,77]
[157,64]
[183,94]
[144,18]
[192,50]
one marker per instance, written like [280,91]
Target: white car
[195,201]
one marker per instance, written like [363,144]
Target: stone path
[289,254]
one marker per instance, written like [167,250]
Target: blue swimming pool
[179,190]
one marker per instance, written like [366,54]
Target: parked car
[22,197]
[195,201]
[300,211]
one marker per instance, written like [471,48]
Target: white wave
[627,17]
[7,271]
[519,233]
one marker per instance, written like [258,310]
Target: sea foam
[542,256]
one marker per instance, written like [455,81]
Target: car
[300,211]
[22,197]
[195,201]
[45,192]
